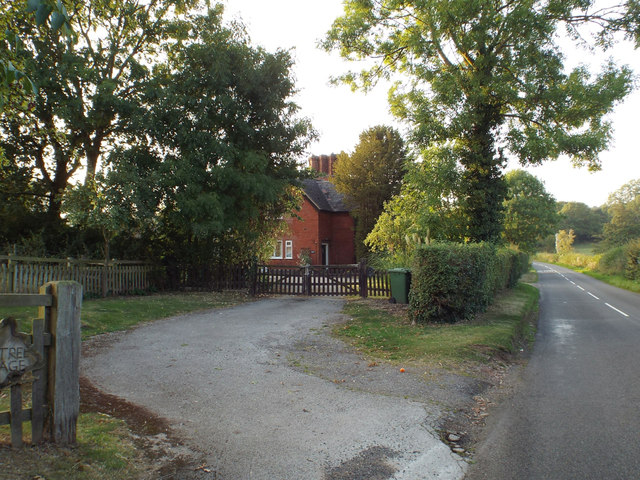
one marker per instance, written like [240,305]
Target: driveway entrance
[236,385]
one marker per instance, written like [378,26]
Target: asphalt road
[235,384]
[576,413]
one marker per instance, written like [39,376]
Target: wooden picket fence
[55,389]
[26,274]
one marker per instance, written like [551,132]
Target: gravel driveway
[264,392]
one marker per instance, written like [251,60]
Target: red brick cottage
[324,231]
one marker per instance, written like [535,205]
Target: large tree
[370,176]
[426,208]
[87,89]
[489,77]
[209,165]
[585,221]
[623,207]
[530,212]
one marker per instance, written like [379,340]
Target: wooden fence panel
[26,274]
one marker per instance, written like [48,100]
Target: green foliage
[618,266]
[213,155]
[426,208]
[96,205]
[613,261]
[488,78]
[87,88]
[530,212]
[585,221]
[185,133]
[369,177]
[623,208]
[564,241]
[452,282]
[632,254]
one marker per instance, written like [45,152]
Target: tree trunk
[484,186]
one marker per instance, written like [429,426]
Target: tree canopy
[87,89]
[173,121]
[530,212]
[623,207]
[426,208]
[213,154]
[370,176]
[486,78]
[585,221]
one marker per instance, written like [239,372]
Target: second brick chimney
[323,163]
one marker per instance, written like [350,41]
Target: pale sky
[340,115]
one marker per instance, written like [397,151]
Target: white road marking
[614,308]
[580,288]
[593,295]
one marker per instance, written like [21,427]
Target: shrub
[452,282]
[632,254]
[613,261]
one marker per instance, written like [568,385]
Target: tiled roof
[324,196]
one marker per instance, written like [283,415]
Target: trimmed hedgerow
[452,282]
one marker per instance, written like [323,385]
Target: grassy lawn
[105,449]
[393,338]
[121,313]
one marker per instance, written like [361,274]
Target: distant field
[585,248]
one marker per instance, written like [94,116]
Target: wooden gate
[322,280]
[55,343]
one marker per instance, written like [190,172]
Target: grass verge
[105,448]
[106,315]
[104,451]
[508,323]
[614,280]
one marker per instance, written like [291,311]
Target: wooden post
[11,268]
[363,279]
[39,386]
[253,277]
[16,416]
[307,280]
[105,278]
[63,392]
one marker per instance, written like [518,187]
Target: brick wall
[315,228]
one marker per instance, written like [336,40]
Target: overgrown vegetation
[506,324]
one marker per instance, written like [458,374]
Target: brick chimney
[323,163]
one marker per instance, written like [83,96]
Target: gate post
[63,389]
[364,292]
[253,277]
[307,279]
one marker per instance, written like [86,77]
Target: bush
[632,255]
[613,261]
[452,282]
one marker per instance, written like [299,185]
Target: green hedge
[632,267]
[452,282]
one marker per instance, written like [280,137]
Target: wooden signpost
[52,355]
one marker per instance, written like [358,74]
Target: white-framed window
[277,250]
[288,249]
